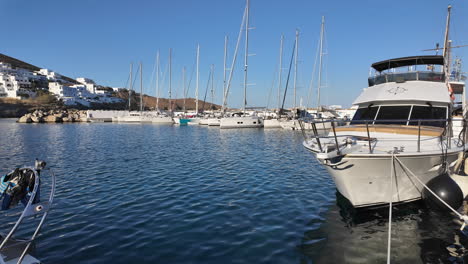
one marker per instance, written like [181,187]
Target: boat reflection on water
[349,235]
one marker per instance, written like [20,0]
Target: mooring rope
[462,217]
[389,243]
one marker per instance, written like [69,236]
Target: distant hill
[16,108]
[149,102]
[24,65]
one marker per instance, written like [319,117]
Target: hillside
[149,102]
[24,65]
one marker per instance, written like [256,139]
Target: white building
[61,90]
[14,86]
[51,75]
[90,85]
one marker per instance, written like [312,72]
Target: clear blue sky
[99,39]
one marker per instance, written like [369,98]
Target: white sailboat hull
[203,121]
[271,123]
[145,117]
[241,122]
[214,122]
[162,120]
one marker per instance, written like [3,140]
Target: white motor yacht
[403,118]
[239,120]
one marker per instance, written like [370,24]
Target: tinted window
[429,112]
[367,113]
[393,113]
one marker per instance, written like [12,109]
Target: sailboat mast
[295,67]
[280,69]
[130,87]
[141,87]
[224,67]
[196,90]
[157,81]
[320,63]
[170,80]
[246,54]
[212,86]
[183,80]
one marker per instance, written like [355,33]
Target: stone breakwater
[54,116]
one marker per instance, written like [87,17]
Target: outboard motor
[447,189]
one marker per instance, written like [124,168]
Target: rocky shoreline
[54,116]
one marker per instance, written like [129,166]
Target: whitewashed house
[90,84]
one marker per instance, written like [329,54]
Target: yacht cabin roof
[418,91]
[408,61]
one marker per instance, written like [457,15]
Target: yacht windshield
[400,113]
[367,113]
[393,113]
[429,112]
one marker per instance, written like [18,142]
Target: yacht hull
[294,125]
[214,121]
[162,120]
[241,122]
[271,123]
[365,180]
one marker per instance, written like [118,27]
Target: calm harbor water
[131,193]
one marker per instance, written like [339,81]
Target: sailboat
[274,122]
[323,114]
[216,119]
[193,120]
[159,117]
[142,116]
[241,119]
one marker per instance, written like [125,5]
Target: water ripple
[167,194]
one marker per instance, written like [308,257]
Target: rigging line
[389,242]
[327,91]
[234,59]
[164,79]
[191,78]
[134,82]
[311,84]
[463,217]
[289,75]
[271,88]
[152,74]
[206,91]
[128,79]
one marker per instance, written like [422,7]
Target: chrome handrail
[447,133]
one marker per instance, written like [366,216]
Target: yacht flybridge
[409,114]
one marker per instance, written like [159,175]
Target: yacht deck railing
[446,135]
